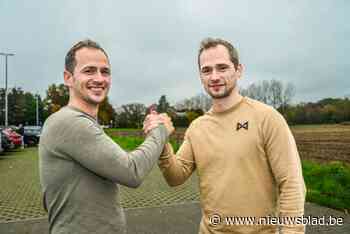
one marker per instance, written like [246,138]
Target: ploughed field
[321,143]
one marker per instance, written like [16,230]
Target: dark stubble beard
[88,100]
[92,102]
[226,93]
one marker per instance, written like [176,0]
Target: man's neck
[84,107]
[223,104]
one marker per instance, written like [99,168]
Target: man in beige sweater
[245,155]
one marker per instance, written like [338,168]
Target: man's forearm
[145,156]
[292,200]
[175,169]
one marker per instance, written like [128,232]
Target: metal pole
[37,110]
[6,98]
[1,149]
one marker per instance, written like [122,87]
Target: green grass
[125,129]
[130,143]
[328,184]
[107,130]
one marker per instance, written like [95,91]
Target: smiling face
[91,79]
[217,72]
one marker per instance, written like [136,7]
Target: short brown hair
[213,42]
[71,62]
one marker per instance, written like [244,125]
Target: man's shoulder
[199,121]
[66,118]
[61,117]
[65,124]
[198,124]
[66,113]
[260,109]
[267,114]
[258,106]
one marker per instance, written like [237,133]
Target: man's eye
[106,72]
[205,71]
[89,71]
[222,68]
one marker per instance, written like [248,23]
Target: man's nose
[99,77]
[215,76]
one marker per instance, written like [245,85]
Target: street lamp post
[6,101]
[37,109]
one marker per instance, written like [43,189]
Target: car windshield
[35,129]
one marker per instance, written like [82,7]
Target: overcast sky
[153,44]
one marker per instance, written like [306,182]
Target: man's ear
[240,69]
[68,78]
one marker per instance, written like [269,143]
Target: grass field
[328,182]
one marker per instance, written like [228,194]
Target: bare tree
[288,94]
[131,115]
[200,101]
[276,88]
[271,92]
[265,89]
[255,91]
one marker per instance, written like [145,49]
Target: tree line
[22,106]
[328,110]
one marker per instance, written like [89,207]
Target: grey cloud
[153,44]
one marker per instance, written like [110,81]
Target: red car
[14,137]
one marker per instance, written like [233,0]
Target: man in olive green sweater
[244,153]
[80,166]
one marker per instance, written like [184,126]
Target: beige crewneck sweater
[248,166]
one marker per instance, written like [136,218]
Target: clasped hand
[153,119]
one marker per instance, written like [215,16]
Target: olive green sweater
[80,167]
[248,166]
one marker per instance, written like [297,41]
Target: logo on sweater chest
[241,125]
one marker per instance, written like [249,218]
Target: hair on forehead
[209,42]
[70,59]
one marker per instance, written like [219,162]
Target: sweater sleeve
[177,168]
[88,145]
[285,163]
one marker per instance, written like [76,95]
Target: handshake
[153,119]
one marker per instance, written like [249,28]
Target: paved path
[177,219]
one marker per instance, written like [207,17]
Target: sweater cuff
[167,151]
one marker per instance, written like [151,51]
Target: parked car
[2,149]
[12,138]
[6,142]
[31,135]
